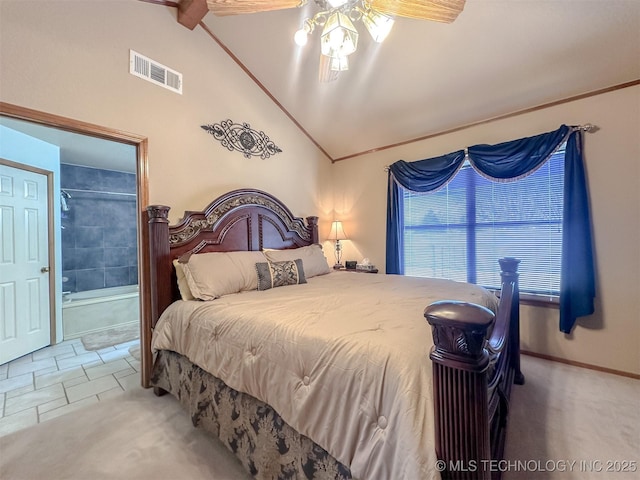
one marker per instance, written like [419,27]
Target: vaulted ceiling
[498,57]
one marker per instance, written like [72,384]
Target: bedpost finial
[158,213]
[509,264]
[459,332]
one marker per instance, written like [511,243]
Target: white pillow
[211,275]
[313,260]
[183,286]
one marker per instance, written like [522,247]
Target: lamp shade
[337,232]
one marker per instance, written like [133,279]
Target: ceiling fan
[339,37]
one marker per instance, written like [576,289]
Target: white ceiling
[498,57]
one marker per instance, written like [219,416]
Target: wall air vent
[154,72]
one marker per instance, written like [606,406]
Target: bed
[323,374]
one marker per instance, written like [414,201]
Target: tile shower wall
[99,246]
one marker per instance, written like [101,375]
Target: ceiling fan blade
[445,11]
[239,7]
[325,74]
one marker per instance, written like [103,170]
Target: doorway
[30,119]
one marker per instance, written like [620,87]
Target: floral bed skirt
[267,447]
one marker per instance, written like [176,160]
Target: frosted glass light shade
[301,37]
[339,36]
[377,24]
[339,64]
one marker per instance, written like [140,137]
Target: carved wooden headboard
[241,220]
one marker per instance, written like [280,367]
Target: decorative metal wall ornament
[243,138]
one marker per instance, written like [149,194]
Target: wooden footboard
[475,362]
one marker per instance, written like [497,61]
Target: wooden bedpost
[460,386]
[156,291]
[509,274]
[465,433]
[312,225]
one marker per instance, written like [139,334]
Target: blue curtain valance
[512,160]
[502,162]
[427,175]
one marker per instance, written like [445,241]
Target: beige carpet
[136,436]
[563,414]
[110,337]
[566,414]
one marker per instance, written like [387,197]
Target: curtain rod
[587,127]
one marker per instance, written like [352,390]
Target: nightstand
[375,270]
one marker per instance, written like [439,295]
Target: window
[460,231]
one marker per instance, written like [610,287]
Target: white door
[25,323]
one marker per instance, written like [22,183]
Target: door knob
[44,269]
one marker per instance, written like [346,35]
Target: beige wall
[611,337]
[71,58]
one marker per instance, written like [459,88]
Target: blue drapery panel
[420,176]
[577,280]
[501,162]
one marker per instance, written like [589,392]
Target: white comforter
[344,359]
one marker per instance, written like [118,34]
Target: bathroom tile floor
[61,378]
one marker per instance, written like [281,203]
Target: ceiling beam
[191,12]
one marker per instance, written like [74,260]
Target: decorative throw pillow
[279,274]
[313,259]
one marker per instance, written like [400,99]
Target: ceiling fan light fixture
[339,37]
[378,24]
